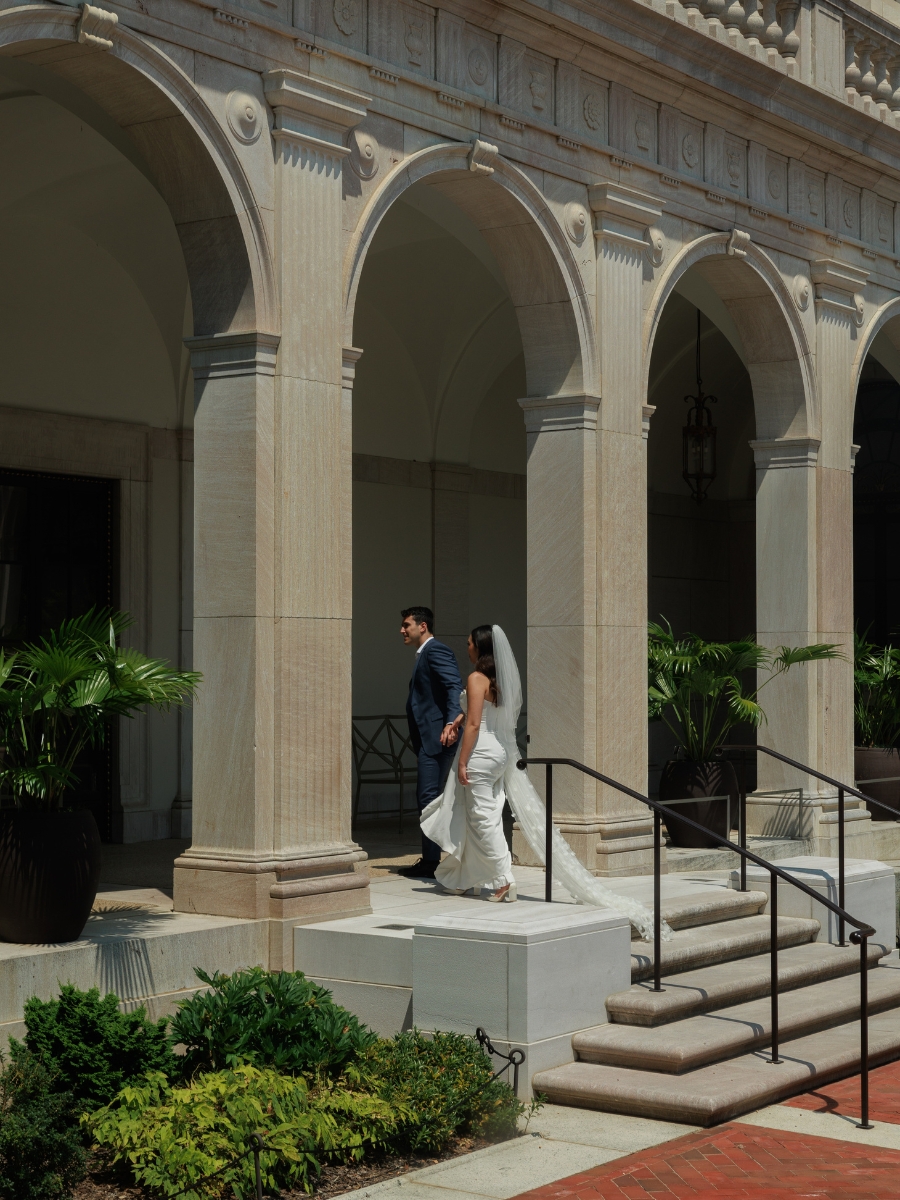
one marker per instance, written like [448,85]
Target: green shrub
[172,1137]
[41,1152]
[270,1019]
[445,1083]
[89,1047]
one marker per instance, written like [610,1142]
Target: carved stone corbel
[95,27]
[738,243]
[481,156]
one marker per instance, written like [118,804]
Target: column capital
[838,286]
[551,414]
[623,213]
[218,354]
[313,111]
[775,453]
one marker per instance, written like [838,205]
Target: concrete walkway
[559,1142]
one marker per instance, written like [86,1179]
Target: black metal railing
[860,936]
[842,790]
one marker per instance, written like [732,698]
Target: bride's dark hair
[483,641]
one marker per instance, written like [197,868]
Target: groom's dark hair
[421,615]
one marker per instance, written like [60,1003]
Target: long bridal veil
[528,808]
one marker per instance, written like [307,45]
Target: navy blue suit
[433,703]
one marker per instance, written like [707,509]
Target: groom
[432,711]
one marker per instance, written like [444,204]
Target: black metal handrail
[842,789]
[859,937]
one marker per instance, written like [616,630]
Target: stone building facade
[246,184]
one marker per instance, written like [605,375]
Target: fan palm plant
[59,695]
[700,690]
[876,709]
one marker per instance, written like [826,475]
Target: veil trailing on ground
[528,808]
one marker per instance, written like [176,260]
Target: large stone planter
[49,872]
[874,763]
[684,779]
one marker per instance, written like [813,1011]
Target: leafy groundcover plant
[271,1052]
[701,689]
[42,1154]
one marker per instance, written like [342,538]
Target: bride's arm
[476,689]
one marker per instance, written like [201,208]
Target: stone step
[724,941]
[713,1037]
[723,1090]
[706,908]
[713,987]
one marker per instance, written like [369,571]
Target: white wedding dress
[474,847]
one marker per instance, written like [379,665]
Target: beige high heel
[508,893]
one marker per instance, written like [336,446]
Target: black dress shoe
[419,870]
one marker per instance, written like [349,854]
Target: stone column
[273,496]
[804,522]
[451,485]
[621,218]
[587,563]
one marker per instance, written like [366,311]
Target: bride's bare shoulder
[477,683]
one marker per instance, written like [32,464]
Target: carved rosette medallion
[859,306]
[847,210]
[244,117]
[656,246]
[346,16]
[576,221]
[802,292]
[773,182]
[364,150]
[690,150]
[479,66]
[593,111]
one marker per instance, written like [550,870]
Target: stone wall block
[714,155]
[833,187]
[828,50]
[511,74]
[450,66]
[620,115]
[756,174]
[797,201]
[868,212]
[568,97]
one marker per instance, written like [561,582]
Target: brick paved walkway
[843,1097]
[739,1162]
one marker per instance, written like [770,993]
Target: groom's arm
[444,668]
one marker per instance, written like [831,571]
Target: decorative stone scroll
[738,243]
[481,156]
[95,27]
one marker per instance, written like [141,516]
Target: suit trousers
[432,778]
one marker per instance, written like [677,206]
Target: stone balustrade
[842,49]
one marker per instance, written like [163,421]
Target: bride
[466,820]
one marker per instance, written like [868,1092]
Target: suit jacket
[433,696]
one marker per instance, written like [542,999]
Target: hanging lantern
[698,438]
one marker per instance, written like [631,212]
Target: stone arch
[884,321]
[140,100]
[543,278]
[766,328]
